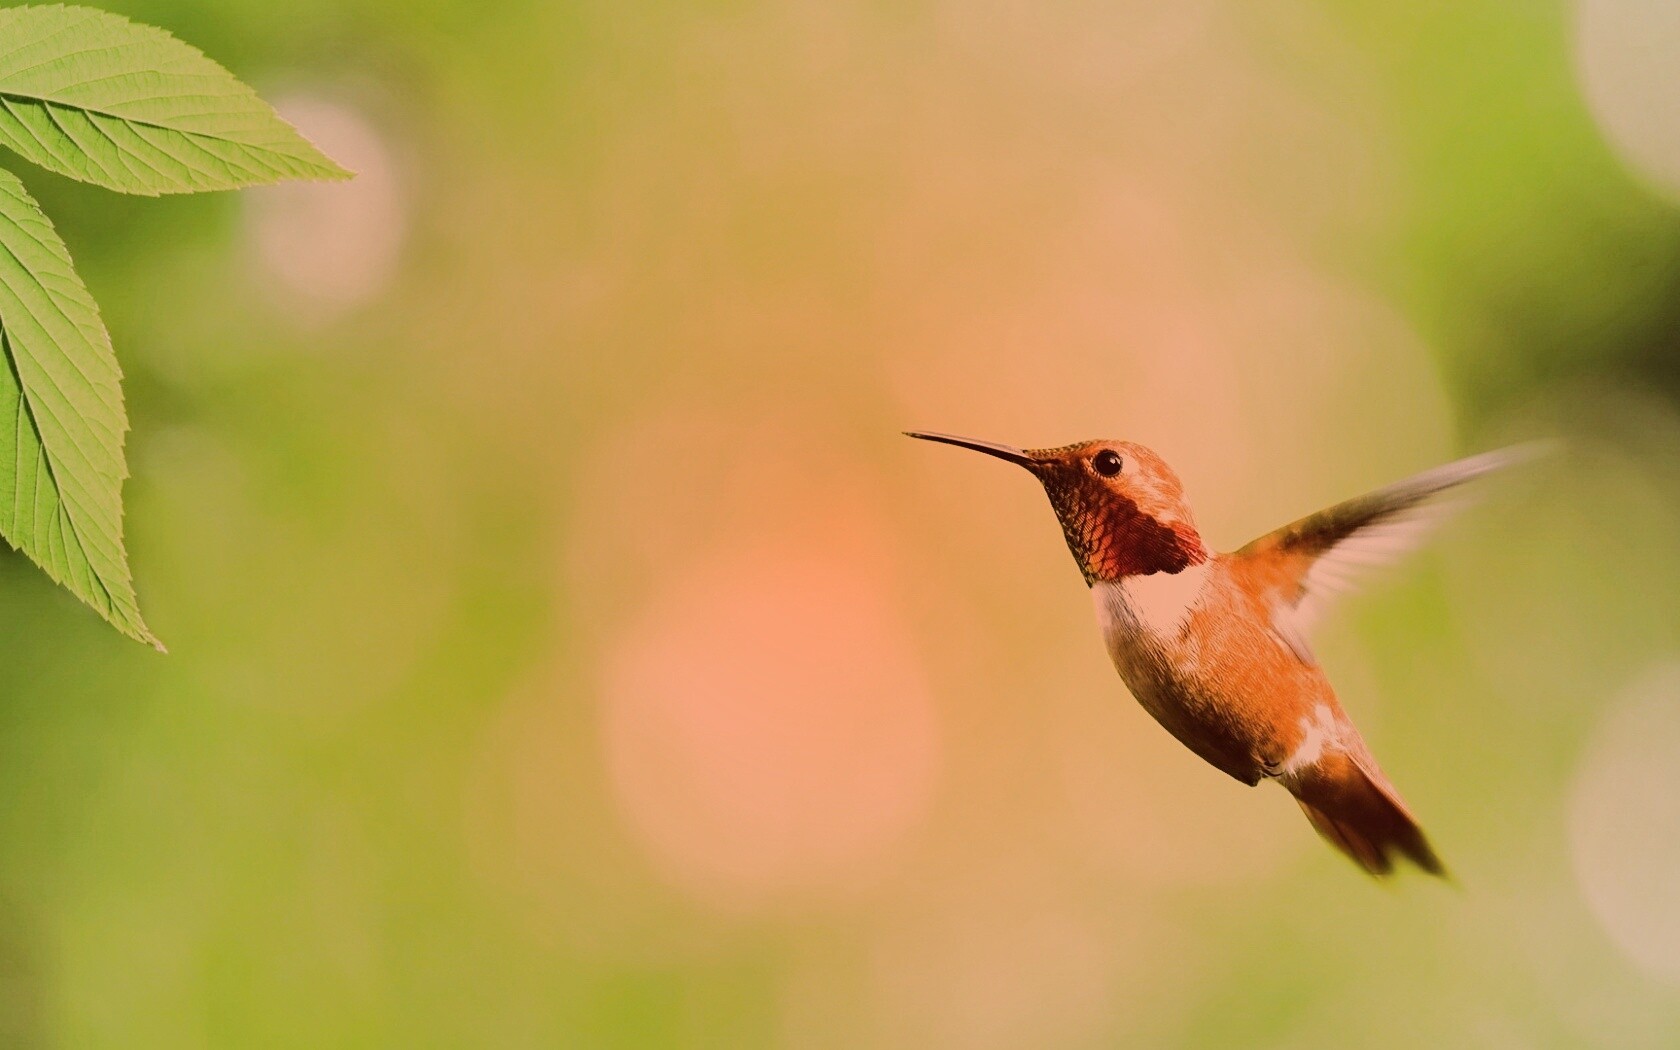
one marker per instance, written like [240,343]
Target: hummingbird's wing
[1307,563]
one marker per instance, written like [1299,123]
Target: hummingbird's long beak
[990,448]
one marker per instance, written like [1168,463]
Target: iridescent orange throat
[1112,537]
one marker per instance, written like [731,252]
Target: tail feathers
[1360,813]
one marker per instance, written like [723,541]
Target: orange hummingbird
[1214,645]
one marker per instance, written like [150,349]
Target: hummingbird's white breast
[1152,609]
[1155,629]
[1143,621]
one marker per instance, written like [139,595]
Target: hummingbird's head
[1121,507]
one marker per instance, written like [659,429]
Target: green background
[566,652]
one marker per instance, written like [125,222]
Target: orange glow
[766,724]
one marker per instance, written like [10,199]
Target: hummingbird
[1214,645]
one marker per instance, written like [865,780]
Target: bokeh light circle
[328,246]
[768,732]
[1625,52]
[1624,824]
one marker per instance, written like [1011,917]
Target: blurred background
[566,650]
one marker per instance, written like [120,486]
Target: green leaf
[61,418]
[96,97]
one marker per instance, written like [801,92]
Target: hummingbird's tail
[1358,811]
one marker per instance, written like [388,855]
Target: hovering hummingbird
[1214,645]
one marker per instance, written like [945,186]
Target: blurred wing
[1311,561]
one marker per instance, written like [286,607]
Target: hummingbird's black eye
[1107,463]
